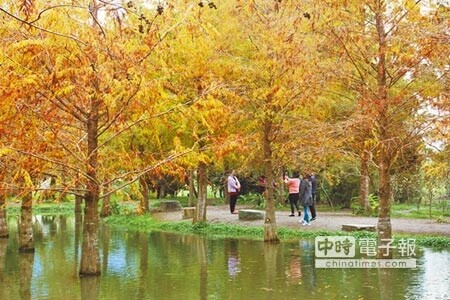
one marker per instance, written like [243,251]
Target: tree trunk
[225,183]
[78,202]
[430,197]
[200,212]
[192,191]
[364,181]
[90,256]
[144,207]
[106,207]
[106,210]
[270,224]
[3,221]
[384,218]
[385,154]
[280,190]
[26,241]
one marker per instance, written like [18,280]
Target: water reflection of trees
[47,226]
[3,247]
[270,262]
[3,223]
[144,265]
[294,269]
[77,239]
[26,261]
[90,287]
[202,250]
[105,237]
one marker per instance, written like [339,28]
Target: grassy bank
[66,208]
[125,217]
[147,224]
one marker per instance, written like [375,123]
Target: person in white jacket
[233,188]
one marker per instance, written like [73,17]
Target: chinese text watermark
[348,252]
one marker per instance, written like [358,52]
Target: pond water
[170,266]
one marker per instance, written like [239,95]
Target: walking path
[331,221]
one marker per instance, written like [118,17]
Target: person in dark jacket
[305,198]
[312,207]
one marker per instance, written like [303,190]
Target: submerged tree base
[270,233]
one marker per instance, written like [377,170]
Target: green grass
[421,212]
[147,224]
[45,208]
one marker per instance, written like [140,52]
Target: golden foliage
[27,7]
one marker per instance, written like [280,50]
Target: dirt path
[325,221]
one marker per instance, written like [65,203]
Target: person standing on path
[233,188]
[305,198]
[293,186]
[312,207]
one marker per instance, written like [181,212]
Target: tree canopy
[104,94]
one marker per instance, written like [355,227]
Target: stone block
[251,214]
[358,227]
[169,205]
[188,212]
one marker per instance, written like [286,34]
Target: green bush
[358,209]
[254,199]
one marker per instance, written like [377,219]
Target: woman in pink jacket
[294,187]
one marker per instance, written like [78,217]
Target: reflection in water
[294,269]
[77,240]
[203,259]
[233,261]
[90,287]
[385,278]
[167,266]
[104,238]
[270,260]
[26,261]
[309,272]
[3,246]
